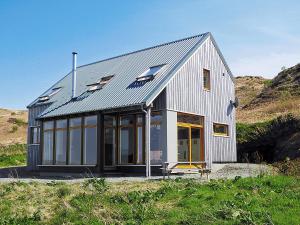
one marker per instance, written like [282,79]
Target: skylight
[52,92]
[100,84]
[150,73]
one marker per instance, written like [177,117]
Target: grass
[13,155]
[20,122]
[13,129]
[260,200]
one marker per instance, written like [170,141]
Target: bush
[95,184]
[258,142]
[63,191]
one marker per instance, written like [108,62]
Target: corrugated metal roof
[120,92]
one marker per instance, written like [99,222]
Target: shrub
[63,191]
[13,129]
[95,184]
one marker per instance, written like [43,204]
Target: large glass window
[140,139]
[155,138]
[127,139]
[110,140]
[61,142]
[47,155]
[75,141]
[90,140]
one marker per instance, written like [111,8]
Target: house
[173,102]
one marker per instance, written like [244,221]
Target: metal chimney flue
[74,74]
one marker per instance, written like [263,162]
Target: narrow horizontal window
[190,119]
[44,98]
[150,73]
[99,84]
[220,129]
[206,79]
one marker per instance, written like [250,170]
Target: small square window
[220,129]
[206,79]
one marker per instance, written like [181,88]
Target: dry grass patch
[269,111]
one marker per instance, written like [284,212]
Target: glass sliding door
[195,144]
[75,141]
[190,139]
[61,142]
[183,144]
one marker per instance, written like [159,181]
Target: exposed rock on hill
[262,99]
[284,86]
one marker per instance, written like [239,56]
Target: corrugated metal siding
[185,93]
[118,92]
[160,102]
[33,150]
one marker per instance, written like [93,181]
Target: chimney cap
[74,53]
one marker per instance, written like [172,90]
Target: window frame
[120,126]
[217,134]
[74,128]
[81,127]
[52,92]
[48,130]
[146,75]
[208,86]
[31,135]
[100,84]
[86,126]
[66,129]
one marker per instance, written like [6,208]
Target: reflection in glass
[75,141]
[183,144]
[90,140]
[61,142]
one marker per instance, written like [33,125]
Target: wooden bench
[185,168]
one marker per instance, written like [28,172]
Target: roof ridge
[144,49]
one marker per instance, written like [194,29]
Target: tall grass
[260,200]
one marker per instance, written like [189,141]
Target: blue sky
[37,37]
